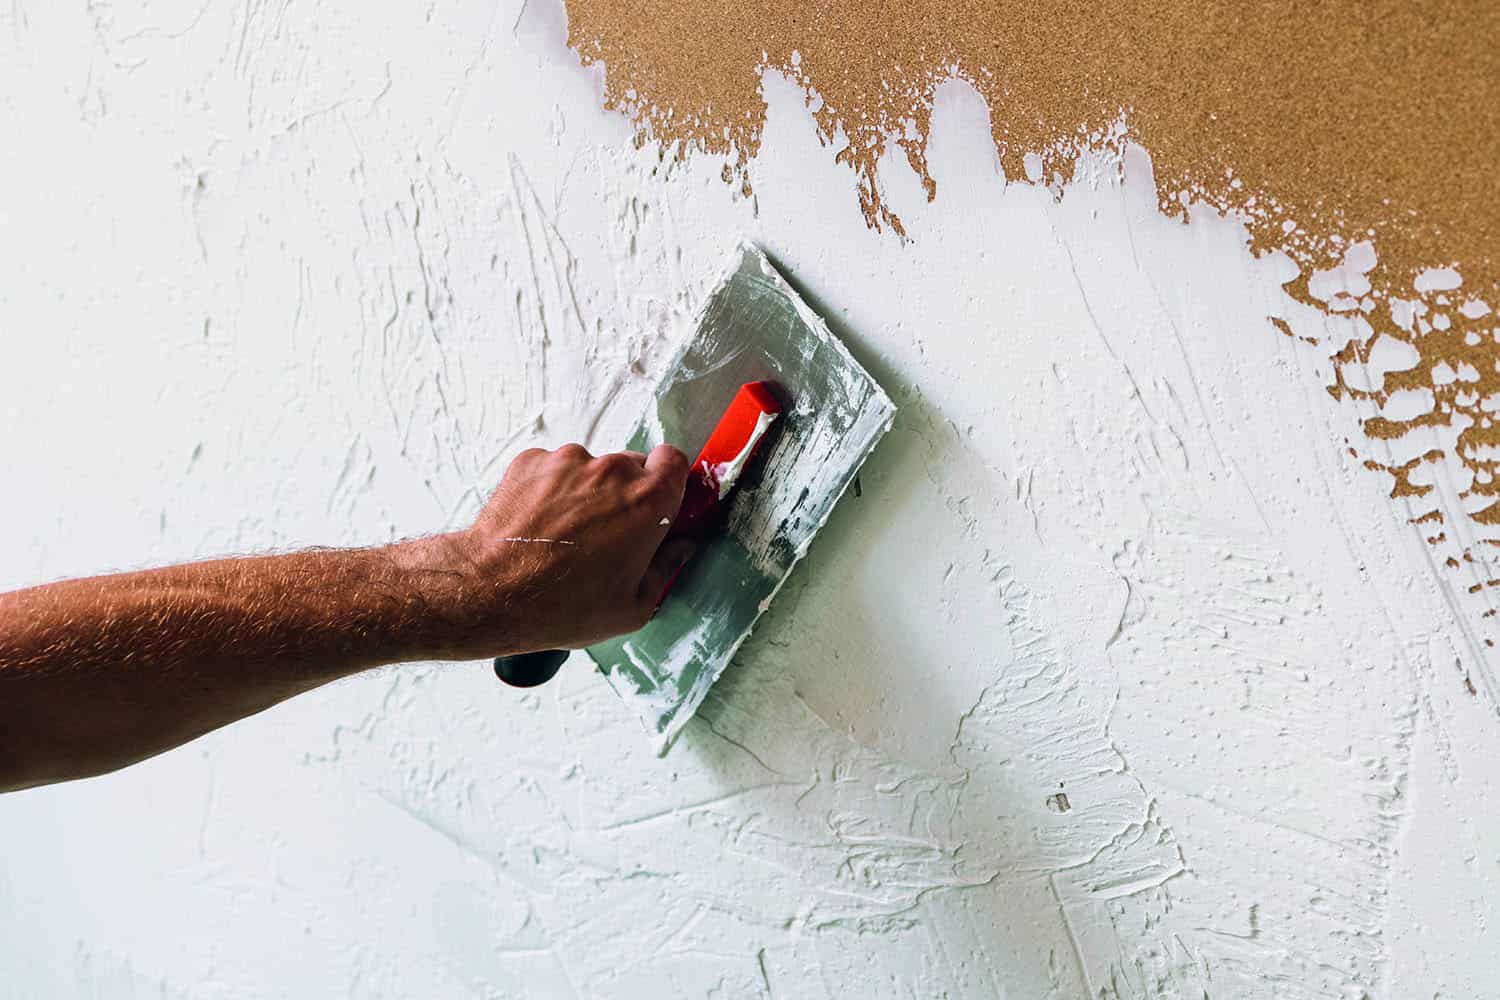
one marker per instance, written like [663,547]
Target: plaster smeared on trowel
[753,327]
[724,475]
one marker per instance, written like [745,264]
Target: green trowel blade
[753,326]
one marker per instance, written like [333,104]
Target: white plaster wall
[278,274]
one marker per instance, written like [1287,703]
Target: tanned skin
[99,673]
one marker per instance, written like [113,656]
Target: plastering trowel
[762,359]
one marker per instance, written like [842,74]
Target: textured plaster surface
[1119,676]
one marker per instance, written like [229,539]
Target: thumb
[665,565]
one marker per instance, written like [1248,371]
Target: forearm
[99,673]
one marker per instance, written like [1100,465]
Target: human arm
[102,672]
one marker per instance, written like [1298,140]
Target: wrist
[448,606]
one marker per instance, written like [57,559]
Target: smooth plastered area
[1120,672]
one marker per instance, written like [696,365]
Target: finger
[670,465]
[665,566]
[627,463]
[526,461]
[574,452]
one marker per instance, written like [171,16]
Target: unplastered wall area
[1150,658]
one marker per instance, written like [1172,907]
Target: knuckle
[529,456]
[573,452]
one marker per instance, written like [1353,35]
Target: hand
[569,550]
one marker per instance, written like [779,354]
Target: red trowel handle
[718,469]
[714,475]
